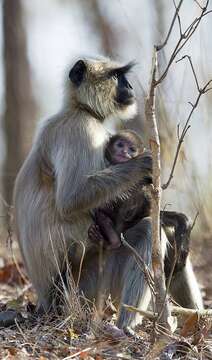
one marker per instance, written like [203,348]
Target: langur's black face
[125,94]
[104,88]
[124,90]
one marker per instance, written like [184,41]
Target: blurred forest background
[38,38]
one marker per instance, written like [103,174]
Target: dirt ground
[73,336]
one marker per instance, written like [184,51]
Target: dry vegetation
[76,334]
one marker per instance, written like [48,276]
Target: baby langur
[116,217]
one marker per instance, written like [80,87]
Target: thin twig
[198,4]
[5,203]
[194,221]
[178,17]
[186,127]
[147,273]
[176,311]
[184,37]
[20,330]
[192,68]
[176,256]
[81,263]
[162,304]
[177,9]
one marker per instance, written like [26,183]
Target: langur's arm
[78,190]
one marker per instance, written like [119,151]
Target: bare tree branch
[178,17]
[194,221]
[176,310]
[162,305]
[192,68]
[177,9]
[144,268]
[186,127]
[201,7]
[184,37]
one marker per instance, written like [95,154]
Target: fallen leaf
[190,325]
[9,274]
[12,351]
[98,357]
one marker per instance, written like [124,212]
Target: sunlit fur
[52,217]
[63,179]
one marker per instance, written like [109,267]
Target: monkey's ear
[76,75]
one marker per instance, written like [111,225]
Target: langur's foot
[107,228]
[95,235]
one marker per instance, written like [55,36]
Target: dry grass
[76,335]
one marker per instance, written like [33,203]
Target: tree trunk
[161,303]
[19,105]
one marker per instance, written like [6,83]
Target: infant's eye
[132,149]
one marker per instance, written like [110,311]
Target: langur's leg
[184,287]
[91,276]
[179,240]
[134,289]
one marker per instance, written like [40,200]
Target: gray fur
[63,179]
[185,289]
[52,220]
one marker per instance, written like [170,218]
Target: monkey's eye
[120,144]
[123,82]
[132,149]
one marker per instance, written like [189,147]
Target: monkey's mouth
[125,97]
[122,158]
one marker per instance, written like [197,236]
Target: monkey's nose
[126,154]
[125,96]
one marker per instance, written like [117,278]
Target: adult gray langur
[53,217]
